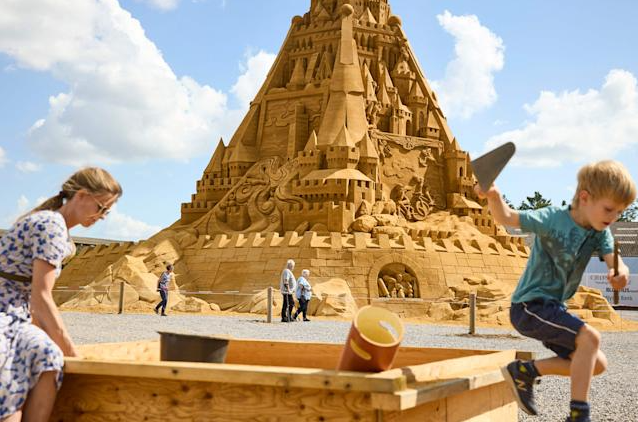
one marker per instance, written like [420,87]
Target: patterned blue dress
[26,351]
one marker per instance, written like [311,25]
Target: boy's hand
[491,192]
[620,281]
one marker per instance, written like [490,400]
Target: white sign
[628,296]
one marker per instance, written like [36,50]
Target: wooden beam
[114,399]
[278,376]
[418,394]
[302,355]
[447,369]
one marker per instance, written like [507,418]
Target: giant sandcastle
[346,164]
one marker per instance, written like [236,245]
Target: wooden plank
[490,403]
[486,404]
[302,355]
[435,411]
[278,376]
[326,355]
[418,394]
[448,368]
[524,356]
[86,398]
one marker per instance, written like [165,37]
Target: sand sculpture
[345,163]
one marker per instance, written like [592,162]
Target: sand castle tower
[344,162]
[347,112]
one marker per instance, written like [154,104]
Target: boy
[566,238]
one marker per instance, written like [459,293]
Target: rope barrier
[471,302]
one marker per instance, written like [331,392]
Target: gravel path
[614,394]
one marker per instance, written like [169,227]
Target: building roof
[85,241]
[626,234]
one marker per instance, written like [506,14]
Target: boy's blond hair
[606,179]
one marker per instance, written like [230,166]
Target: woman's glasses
[101,209]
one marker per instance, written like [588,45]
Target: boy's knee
[588,337]
[601,363]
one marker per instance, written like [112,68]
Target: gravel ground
[614,394]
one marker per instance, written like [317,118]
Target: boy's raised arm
[501,212]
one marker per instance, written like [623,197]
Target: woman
[33,338]
[304,294]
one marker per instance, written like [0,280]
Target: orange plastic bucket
[373,341]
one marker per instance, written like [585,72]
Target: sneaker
[306,319]
[522,385]
[156,310]
[578,415]
[163,314]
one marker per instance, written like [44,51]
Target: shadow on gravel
[489,336]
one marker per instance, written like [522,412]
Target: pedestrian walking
[162,288]
[287,286]
[304,294]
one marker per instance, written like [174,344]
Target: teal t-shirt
[559,256]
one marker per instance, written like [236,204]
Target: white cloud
[120,226]
[253,75]
[124,103]
[577,127]
[116,225]
[468,84]
[28,167]
[3,158]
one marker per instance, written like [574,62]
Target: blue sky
[145,88]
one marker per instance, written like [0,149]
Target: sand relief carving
[260,195]
[397,281]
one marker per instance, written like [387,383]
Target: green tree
[508,202]
[630,214]
[535,202]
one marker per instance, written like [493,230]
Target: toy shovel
[488,166]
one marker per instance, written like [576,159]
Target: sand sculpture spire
[346,103]
[348,115]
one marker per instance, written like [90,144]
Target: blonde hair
[94,180]
[606,179]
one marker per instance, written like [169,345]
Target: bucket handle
[359,351]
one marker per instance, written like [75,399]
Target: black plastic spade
[488,166]
[183,347]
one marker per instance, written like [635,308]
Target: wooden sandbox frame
[428,384]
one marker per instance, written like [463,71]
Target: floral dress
[26,351]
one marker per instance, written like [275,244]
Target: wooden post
[616,293]
[269,317]
[472,313]
[121,306]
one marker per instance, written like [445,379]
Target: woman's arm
[44,308]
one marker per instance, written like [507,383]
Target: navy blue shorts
[549,322]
